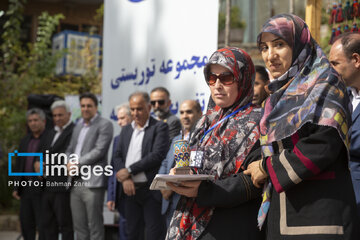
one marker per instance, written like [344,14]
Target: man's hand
[166,194]
[111,205]
[37,166]
[15,195]
[186,188]
[258,177]
[122,175]
[71,168]
[129,187]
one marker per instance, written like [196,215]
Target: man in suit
[90,141]
[56,212]
[30,195]
[142,146]
[345,58]
[160,102]
[113,201]
[190,113]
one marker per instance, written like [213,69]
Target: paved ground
[10,235]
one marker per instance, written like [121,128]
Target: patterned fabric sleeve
[308,157]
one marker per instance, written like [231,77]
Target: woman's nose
[218,83]
[272,53]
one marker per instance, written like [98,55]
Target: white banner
[154,43]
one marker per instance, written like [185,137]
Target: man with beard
[160,102]
[90,142]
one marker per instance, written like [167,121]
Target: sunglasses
[226,78]
[160,102]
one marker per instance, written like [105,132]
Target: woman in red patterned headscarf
[226,138]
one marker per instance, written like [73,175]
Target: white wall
[155,43]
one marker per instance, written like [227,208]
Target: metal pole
[271,9]
[291,7]
[227,23]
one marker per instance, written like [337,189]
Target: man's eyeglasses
[160,102]
[226,78]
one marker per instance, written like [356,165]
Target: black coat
[59,146]
[236,201]
[154,149]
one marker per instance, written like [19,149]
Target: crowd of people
[282,143]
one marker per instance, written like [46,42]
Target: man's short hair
[350,42]
[145,96]
[60,103]
[264,76]
[161,89]
[89,95]
[37,111]
[124,106]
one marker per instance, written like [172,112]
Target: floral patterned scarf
[310,91]
[226,147]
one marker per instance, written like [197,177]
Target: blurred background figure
[345,58]
[261,80]
[190,113]
[143,145]
[114,198]
[90,141]
[160,102]
[56,212]
[30,195]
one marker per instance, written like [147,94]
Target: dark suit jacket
[59,146]
[355,154]
[154,148]
[113,186]
[20,161]
[174,125]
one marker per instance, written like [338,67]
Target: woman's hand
[186,188]
[258,176]
[172,171]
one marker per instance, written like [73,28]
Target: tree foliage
[29,68]
[235,19]
[23,69]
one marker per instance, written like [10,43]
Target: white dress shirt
[355,98]
[82,135]
[59,131]
[134,152]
